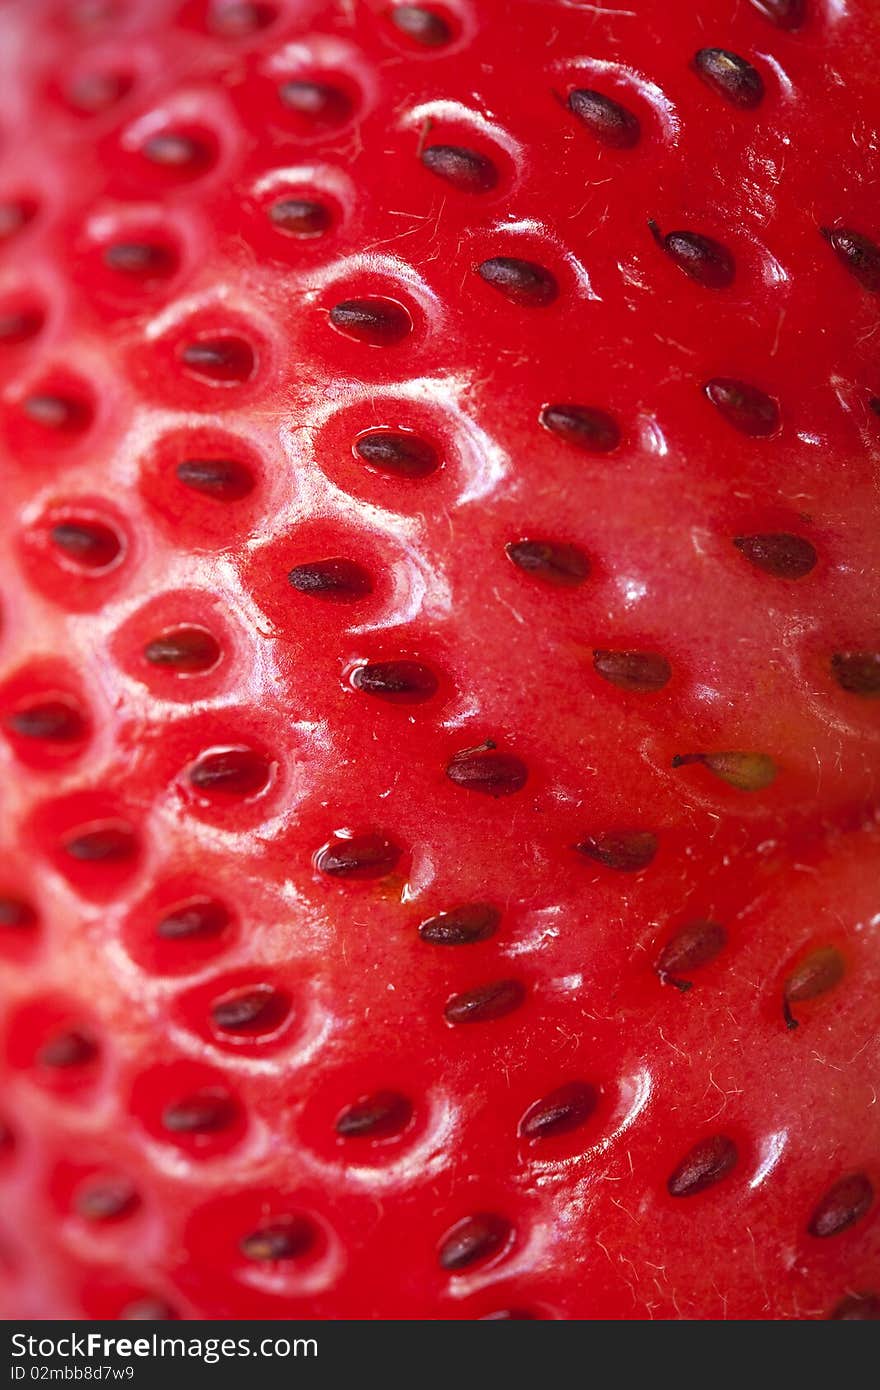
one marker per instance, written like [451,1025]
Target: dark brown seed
[587,428]
[199,917]
[787,14]
[67,1049]
[337,579]
[522,282]
[779,553]
[204,1112]
[260,1009]
[317,101]
[730,76]
[377,322]
[140,260]
[110,844]
[704,1165]
[704,260]
[554,561]
[183,649]
[859,1307]
[105,1199]
[16,913]
[300,217]
[285,1239]
[148,1310]
[88,543]
[18,325]
[401,682]
[223,360]
[466,170]
[485,769]
[56,412]
[628,851]
[857,672]
[486,1002]
[842,1206]
[378,1116]
[361,857]
[94,92]
[860,255]
[231,772]
[461,926]
[693,945]
[401,455]
[227,480]
[747,409]
[815,975]
[473,1240]
[610,123]
[641,672]
[235,19]
[565,1109]
[747,772]
[177,151]
[52,720]
[14,215]
[509,1315]
[423,26]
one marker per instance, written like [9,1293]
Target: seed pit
[609,122]
[224,480]
[67,1048]
[62,414]
[20,321]
[16,914]
[627,851]
[486,769]
[747,409]
[375,321]
[222,361]
[485,1002]
[105,1199]
[640,672]
[731,76]
[461,926]
[397,454]
[781,554]
[584,426]
[860,1307]
[703,1166]
[230,772]
[693,945]
[183,650]
[702,258]
[91,93]
[15,214]
[466,170]
[473,1241]
[398,682]
[560,1112]
[842,1206]
[382,1115]
[359,857]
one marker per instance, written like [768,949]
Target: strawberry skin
[439,660]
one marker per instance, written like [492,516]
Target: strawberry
[439,660]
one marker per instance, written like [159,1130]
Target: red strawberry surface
[439,659]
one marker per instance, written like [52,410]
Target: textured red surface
[177,1108]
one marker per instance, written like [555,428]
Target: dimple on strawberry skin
[439,660]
